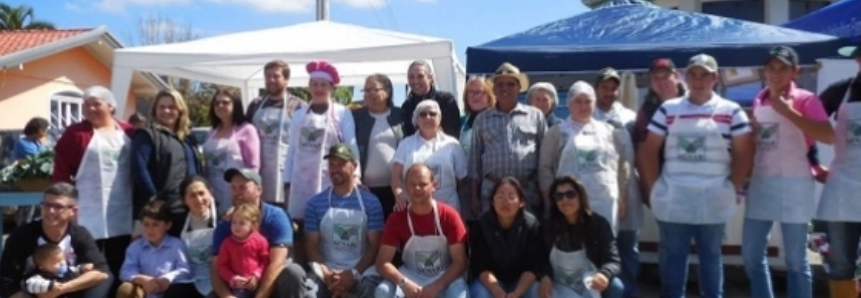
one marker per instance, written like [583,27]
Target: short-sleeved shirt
[275,226]
[397,230]
[319,204]
[729,116]
[803,101]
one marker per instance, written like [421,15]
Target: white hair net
[581,88]
[101,93]
[425,105]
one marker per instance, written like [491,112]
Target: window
[799,8]
[748,10]
[65,109]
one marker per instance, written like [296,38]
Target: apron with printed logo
[840,200]
[220,155]
[104,182]
[273,126]
[425,257]
[591,157]
[344,235]
[572,273]
[694,186]
[441,163]
[199,245]
[781,187]
[310,172]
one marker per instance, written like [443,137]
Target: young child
[156,264]
[51,269]
[243,256]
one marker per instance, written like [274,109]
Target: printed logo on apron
[345,236]
[435,170]
[215,159]
[429,263]
[587,160]
[574,280]
[691,148]
[311,139]
[853,133]
[112,156]
[768,136]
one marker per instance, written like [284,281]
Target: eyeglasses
[504,198]
[57,207]
[428,114]
[371,90]
[559,196]
[475,93]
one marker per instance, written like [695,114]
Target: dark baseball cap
[342,151]
[785,54]
[851,52]
[662,64]
[608,74]
[247,173]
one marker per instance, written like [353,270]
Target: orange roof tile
[20,40]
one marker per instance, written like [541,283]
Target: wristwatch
[356,275]
[402,282]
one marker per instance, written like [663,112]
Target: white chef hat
[101,93]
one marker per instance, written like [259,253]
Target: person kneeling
[156,265]
[432,237]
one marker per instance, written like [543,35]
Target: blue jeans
[755,234]
[626,241]
[457,289]
[674,248]
[614,290]
[478,290]
[843,240]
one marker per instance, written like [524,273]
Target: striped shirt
[729,116]
[506,144]
[319,204]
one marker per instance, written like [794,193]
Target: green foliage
[39,166]
[342,94]
[20,18]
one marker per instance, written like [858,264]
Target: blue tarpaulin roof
[630,36]
[842,19]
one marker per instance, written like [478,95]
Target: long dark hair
[557,225]
[521,194]
[183,186]
[387,85]
[238,109]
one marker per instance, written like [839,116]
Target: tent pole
[322,10]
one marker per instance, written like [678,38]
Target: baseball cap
[851,51]
[662,64]
[607,74]
[704,61]
[342,151]
[785,54]
[247,173]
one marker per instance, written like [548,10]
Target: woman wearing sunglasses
[431,146]
[581,255]
[500,244]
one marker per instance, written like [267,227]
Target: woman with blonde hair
[477,97]
[163,156]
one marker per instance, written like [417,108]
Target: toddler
[244,255]
[51,270]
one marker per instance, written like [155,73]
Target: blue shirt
[318,205]
[275,226]
[168,260]
[25,147]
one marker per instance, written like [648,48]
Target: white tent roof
[237,59]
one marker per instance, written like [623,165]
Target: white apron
[425,257]
[273,126]
[441,163]
[781,187]
[840,201]
[591,157]
[310,172]
[694,186]
[344,235]
[104,182]
[572,274]
[221,154]
[199,245]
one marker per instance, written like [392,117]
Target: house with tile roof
[44,72]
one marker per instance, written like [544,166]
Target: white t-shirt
[381,151]
[443,147]
[729,116]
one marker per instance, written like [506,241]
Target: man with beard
[272,114]
[59,206]
[421,81]
[342,231]
[282,278]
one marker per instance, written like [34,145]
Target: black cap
[785,54]
[608,74]
[662,64]
[247,173]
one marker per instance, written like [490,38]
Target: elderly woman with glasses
[543,96]
[591,151]
[431,146]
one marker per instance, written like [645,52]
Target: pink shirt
[803,101]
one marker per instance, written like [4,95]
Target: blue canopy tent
[630,36]
[841,19]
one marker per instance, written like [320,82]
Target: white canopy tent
[237,59]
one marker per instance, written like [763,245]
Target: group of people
[314,199]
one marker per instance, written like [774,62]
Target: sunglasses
[428,114]
[559,196]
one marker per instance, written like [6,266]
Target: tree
[157,29]
[342,94]
[20,18]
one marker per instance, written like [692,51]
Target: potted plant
[32,173]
